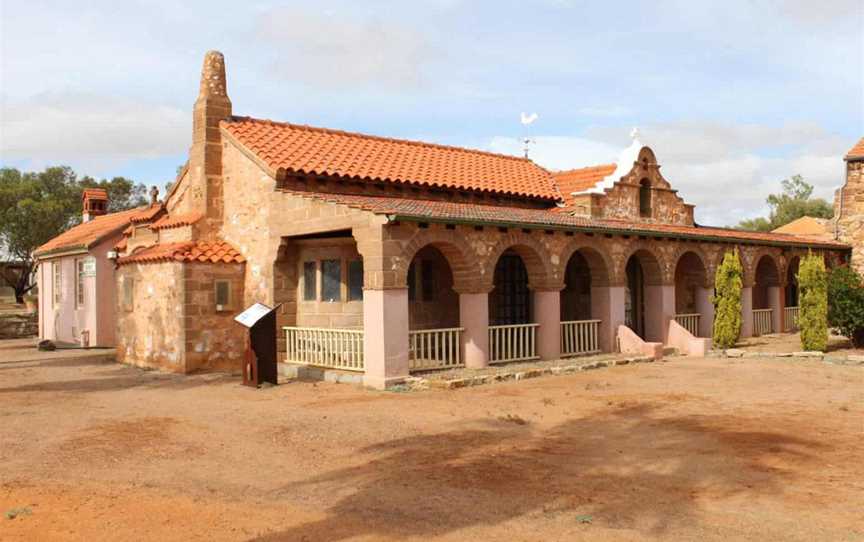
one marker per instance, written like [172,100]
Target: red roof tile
[857,151]
[304,149]
[448,211]
[94,193]
[147,214]
[578,180]
[200,251]
[87,234]
[176,221]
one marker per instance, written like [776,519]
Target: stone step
[670,351]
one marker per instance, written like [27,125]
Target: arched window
[644,197]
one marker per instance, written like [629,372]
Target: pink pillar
[659,309]
[474,319]
[607,305]
[706,309]
[746,312]
[547,313]
[775,302]
[385,342]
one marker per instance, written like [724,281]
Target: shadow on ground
[626,469]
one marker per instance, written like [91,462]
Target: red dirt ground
[692,449]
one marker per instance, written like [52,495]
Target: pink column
[706,309]
[746,312]
[385,343]
[474,320]
[775,302]
[547,313]
[607,305]
[659,309]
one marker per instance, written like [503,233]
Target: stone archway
[766,296]
[643,297]
[693,308]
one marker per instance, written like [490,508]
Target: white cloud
[326,48]
[91,130]
[726,170]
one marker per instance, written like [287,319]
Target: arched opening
[792,282]
[693,309]
[510,300]
[576,295]
[766,297]
[642,306]
[645,198]
[432,302]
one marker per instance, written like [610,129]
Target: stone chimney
[95,203]
[205,156]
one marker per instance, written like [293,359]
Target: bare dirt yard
[689,449]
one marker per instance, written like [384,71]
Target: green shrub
[727,301]
[846,304]
[813,303]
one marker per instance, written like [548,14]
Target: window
[509,302]
[428,279]
[128,293]
[222,291]
[309,290]
[355,280]
[58,282]
[644,198]
[79,283]
[412,282]
[331,280]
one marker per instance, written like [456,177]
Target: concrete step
[670,351]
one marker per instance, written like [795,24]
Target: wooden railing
[517,342]
[332,348]
[762,322]
[690,322]
[790,318]
[435,349]
[580,337]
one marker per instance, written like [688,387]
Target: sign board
[89,267]
[252,314]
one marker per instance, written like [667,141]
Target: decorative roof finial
[154,195]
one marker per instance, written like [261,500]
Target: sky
[733,96]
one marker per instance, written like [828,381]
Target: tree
[791,204]
[846,304]
[37,206]
[727,301]
[813,303]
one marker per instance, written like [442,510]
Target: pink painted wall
[474,319]
[685,342]
[746,312]
[385,344]
[547,313]
[64,321]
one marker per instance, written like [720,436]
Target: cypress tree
[727,301]
[813,303]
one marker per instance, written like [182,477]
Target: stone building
[389,256]
[849,206]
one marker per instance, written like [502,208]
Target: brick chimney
[95,203]
[205,156]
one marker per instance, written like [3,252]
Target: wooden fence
[690,322]
[435,349]
[790,319]
[332,348]
[580,337]
[517,342]
[763,322]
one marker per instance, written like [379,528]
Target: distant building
[808,226]
[75,275]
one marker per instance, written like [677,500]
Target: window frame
[645,194]
[57,282]
[330,281]
[351,294]
[79,283]
[228,303]
[306,283]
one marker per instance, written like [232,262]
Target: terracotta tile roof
[808,226]
[577,180]
[94,193]
[857,151]
[87,234]
[176,221]
[200,251]
[148,214]
[449,211]
[304,149]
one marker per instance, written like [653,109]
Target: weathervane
[527,120]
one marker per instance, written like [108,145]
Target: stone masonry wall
[850,221]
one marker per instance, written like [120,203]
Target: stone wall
[850,220]
[18,324]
